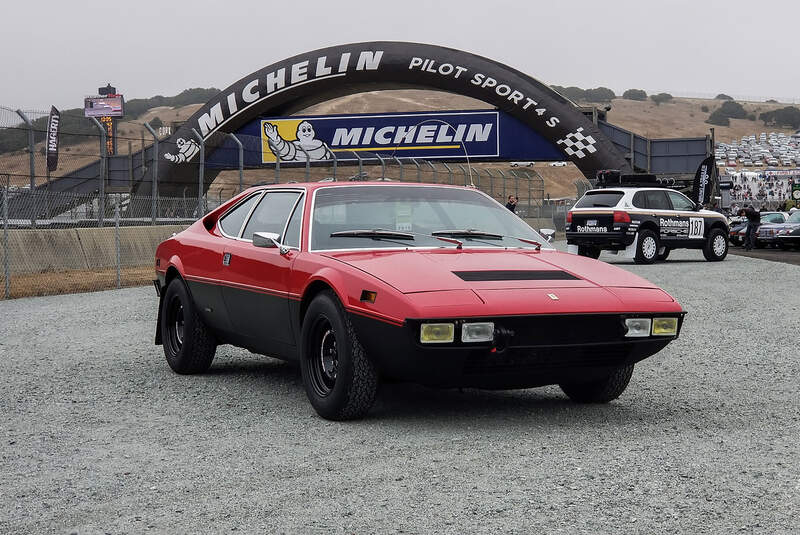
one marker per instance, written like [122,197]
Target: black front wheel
[601,390]
[188,344]
[716,246]
[339,378]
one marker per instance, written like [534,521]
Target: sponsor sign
[458,135]
[51,142]
[702,181]
[103,106]
[334,71]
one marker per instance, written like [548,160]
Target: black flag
[51,143]
[702,187]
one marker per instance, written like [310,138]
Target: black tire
[716,247]
[647,247]
[602,390]
[760,244]
[188,344]
[784,246]
[590,251]
[663,256]
[339,378]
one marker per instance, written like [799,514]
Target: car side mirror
[548,233]
[269,240]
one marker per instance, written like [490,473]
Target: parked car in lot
[768,234]
[789,238]
[739,228]
[558,164]
[361,282]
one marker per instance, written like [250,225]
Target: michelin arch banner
[458,135]
[289,86]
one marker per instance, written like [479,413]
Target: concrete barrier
[39,251]
[47,250]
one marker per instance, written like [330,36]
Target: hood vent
[539,275]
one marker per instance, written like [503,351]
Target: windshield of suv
[599,199]
[407,216]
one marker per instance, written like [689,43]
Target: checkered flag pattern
[578,145]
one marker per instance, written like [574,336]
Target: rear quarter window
[599,199]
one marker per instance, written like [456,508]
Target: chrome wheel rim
[719,245]
[649,248]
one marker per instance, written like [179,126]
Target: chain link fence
[94,220]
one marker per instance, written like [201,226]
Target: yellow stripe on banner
[373,149]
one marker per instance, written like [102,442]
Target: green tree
[732,109]
[723,96]
[634,94]
[718,118]
[661,97]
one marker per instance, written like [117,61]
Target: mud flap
[630,251]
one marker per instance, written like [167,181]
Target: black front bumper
[529,351]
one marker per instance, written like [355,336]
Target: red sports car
[366,281]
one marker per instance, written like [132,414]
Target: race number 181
[696,227]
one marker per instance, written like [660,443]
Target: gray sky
[52,53]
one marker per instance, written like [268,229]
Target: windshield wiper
[380,233]
[471,233]
[468,233]
[376,234]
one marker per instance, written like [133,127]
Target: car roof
[347,183]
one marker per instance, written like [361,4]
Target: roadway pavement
[99,436]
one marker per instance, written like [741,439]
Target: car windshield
[795,217]
[389,216]
[599,199]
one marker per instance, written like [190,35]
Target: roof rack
[613,178]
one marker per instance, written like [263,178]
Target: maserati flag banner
[51,143]
[703,186]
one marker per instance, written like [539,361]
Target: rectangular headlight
[477,332]
[637,327]
[665,326]
[436,333]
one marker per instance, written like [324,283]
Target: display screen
[104,106]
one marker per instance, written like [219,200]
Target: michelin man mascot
[292,151]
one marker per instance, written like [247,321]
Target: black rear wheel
[646,247]
[589,250]
[188,344]
[339,378]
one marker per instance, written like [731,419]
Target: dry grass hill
[679,118]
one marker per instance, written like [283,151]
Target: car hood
[426,270]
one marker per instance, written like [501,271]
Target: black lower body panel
[519,361]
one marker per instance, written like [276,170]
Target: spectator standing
[753,222]
[512,204]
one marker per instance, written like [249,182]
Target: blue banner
[452,136]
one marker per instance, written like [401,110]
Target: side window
[292,238]
[680,202]
[657,200]
[231,223]
[640,200]
[271,213]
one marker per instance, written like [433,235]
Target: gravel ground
[98,436]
